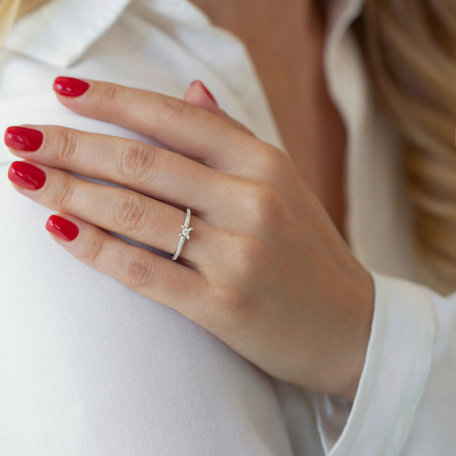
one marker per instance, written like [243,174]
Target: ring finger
[120,210]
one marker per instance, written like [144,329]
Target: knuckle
[169,109]
[93,251]
[240,257]
[245,253]
[272,161]
[138,271]
[65,145]
[61,196]
[129,213]
[232,305]
[109,96]
[260,204]
[136,161]
[236,295]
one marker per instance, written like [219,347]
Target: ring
[183,235]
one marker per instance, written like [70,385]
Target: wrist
[354,345]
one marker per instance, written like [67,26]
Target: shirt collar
[60,31]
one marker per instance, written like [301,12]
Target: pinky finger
[168,282]
[197,95]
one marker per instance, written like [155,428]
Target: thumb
[199,95]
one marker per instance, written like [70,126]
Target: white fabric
[90,367]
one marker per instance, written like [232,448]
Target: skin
[310,125]
[265,269]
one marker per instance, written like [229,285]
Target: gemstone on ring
[185,232]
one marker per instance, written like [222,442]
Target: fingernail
[197,81]
[26,175]
[70,87]
[62,228]
[21,138]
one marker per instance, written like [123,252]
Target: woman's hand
[264,270]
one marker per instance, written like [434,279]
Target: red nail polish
[62,228]
[26,175]
[25,139]
[70,87]
[197,81]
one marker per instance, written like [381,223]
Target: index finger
[184,127]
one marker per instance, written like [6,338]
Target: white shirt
[90,367]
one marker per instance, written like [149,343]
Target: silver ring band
[183,235]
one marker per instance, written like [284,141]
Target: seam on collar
[59,32]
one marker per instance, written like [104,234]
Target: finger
[185,128]
[123,211]
[197,95]
[148,169]
[165,281]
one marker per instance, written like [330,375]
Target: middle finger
[150,170]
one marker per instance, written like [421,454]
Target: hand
[264,270]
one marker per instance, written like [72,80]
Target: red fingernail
[70,87]
[26,175]
[197,81]
[21,138]
[62,228]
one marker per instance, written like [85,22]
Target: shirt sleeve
[406,398]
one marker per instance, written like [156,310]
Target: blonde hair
[11,10]
[410,50]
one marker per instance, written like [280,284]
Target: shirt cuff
[397,365]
